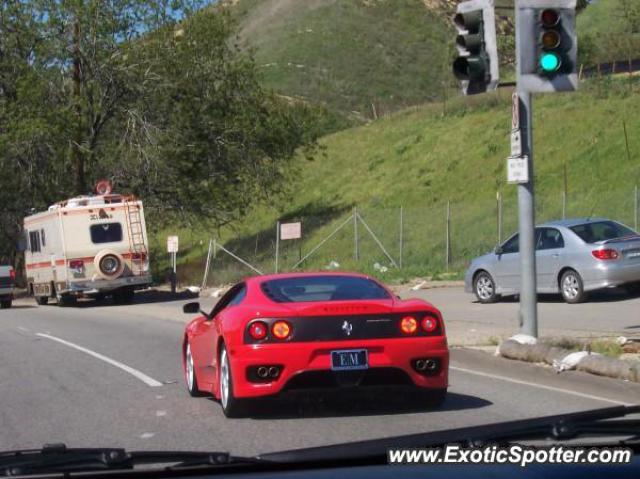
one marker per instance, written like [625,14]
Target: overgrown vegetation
[172,112]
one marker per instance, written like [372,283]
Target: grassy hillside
[609,30]
[368,57]
[423,157]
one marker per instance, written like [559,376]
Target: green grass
[352,55]
[606,347]
[609,30]
[423,157]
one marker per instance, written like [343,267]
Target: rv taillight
[137,256]
[76,264]
[12,275]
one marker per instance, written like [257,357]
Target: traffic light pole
[526,201]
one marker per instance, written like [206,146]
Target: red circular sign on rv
[104,187]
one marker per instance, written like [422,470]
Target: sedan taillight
[76,264]
[605,254]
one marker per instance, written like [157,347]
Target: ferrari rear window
[322,288]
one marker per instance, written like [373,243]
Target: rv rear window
[106,233]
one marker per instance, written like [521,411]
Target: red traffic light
[549,17]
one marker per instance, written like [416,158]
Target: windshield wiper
[598,423]
[58,458]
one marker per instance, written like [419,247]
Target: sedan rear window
[322,288]
[601,231]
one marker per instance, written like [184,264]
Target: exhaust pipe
[430,365]
[273,372]
[421,364]
[262,372]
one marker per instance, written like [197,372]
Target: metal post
[499,201]
[564,205]
[401,236]
[206,268]
[277,243]
[356,246]
[636,206]
[526,202]
[448,238]
[174,277]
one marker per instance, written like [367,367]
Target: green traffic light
[549,62]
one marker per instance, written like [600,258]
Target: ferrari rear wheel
[190,373]
[231,406]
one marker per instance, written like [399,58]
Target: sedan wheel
[231,406]
[571,287]
[190,373]
[485,288]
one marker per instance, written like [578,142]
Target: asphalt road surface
[100,376]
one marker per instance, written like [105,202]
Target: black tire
[190,375]
[42,300]
[632,288]
[5,304]
[123,296]
[484,288]
[65,300]
[572,288]
[232,407]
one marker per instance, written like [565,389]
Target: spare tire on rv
[109,264]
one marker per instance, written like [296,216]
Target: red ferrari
[273,334]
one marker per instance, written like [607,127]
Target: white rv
[87,246]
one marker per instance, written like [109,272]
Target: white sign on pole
[172,244]
[290,231]
[516,143]
[518,169]
[515,111]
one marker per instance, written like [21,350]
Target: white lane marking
[147,435]
[161,413]
[149,381]
[23,329]
[540,386]
[159,396]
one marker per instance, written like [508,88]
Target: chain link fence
[395,243]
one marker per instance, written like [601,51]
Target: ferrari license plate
[349,359]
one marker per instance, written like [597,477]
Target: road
[124,388]
[611,313]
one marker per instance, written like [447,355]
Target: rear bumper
[609,274]
[308,365]
[106,285]
[6,293]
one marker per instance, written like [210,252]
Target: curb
[557,357]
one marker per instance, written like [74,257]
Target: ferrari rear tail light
[429,324]
[258,330]
[281,330]
[408,325]
[605,254]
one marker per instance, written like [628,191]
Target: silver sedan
[573,257]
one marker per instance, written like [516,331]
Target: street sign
[518,169]
[290,231]
[515,111]
[516,143]
[172,244]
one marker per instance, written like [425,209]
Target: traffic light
[547,45]
[477,63]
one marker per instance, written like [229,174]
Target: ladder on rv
[136,238]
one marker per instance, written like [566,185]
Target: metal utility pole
[356,239]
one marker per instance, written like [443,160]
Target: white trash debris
[193,289]
[216,293]
[418,286]
[621,340]
[570,361]
[524,339]
[333,265]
